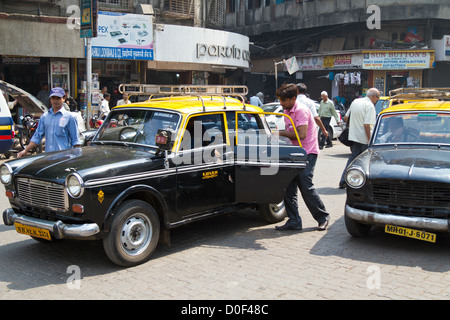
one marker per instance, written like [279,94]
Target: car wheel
[273,212]
[134,234]
[355,228]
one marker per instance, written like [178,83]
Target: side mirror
[163,140]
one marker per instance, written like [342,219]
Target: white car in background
[277,122]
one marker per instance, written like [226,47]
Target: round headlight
[5,174]
[74,185]
[355,178]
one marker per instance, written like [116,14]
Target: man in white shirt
[254,100]
[104,106]
[362,118]
[302,89]
[124,100]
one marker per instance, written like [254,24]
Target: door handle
[297,154]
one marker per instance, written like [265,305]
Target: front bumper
[58,229]
[369,217]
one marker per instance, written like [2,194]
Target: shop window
[216,14]
[179,7]
[116,5]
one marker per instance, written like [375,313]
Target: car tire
[134,234]
[355,228]
[273,212]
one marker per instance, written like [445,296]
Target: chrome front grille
[412,198]
[405,192]
[42,194]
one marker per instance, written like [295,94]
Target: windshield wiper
[126,144]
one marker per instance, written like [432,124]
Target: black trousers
[326,123]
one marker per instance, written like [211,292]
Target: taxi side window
[204,130]
[248,125]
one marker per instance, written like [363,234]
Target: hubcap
[276,207]
[136,234]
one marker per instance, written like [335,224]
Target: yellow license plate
[411,233]
[33,231]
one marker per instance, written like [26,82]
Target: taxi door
[264,163]
[203,182]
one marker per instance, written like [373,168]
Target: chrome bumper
[431,224]
[58,229]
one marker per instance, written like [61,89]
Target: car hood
[90,162]
[25,99]
[425,164]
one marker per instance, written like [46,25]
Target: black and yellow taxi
[402,181]
[152,166]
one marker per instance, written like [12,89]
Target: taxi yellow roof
[419,106]
[193,104]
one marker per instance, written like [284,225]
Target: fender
[126,194]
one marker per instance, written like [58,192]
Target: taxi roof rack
[420,93]
[186,90]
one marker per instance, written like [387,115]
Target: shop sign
[88,23]
[21,60]
[442,47]
[59,67]
[310,63]
[123,36]
[214,50]
[337,61]
[397,60]
[291,65]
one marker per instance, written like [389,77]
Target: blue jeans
[356,148]
[310,196]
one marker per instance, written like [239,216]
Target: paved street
[237,257]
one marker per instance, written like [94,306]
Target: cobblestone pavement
[237,256]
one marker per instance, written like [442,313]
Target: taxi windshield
[136,126]
[412,128]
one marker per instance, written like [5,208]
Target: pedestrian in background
[260,95]
[362,118]
[302,97]
[57,125]
[254,100]
[42,95]
[326,111]
[104,106]
[73,105]
[306,128]
[124,100]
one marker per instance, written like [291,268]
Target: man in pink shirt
[306,129]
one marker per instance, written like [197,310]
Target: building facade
[343,46]
[159,41]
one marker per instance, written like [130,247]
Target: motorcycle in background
[95,122]
[26,131]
